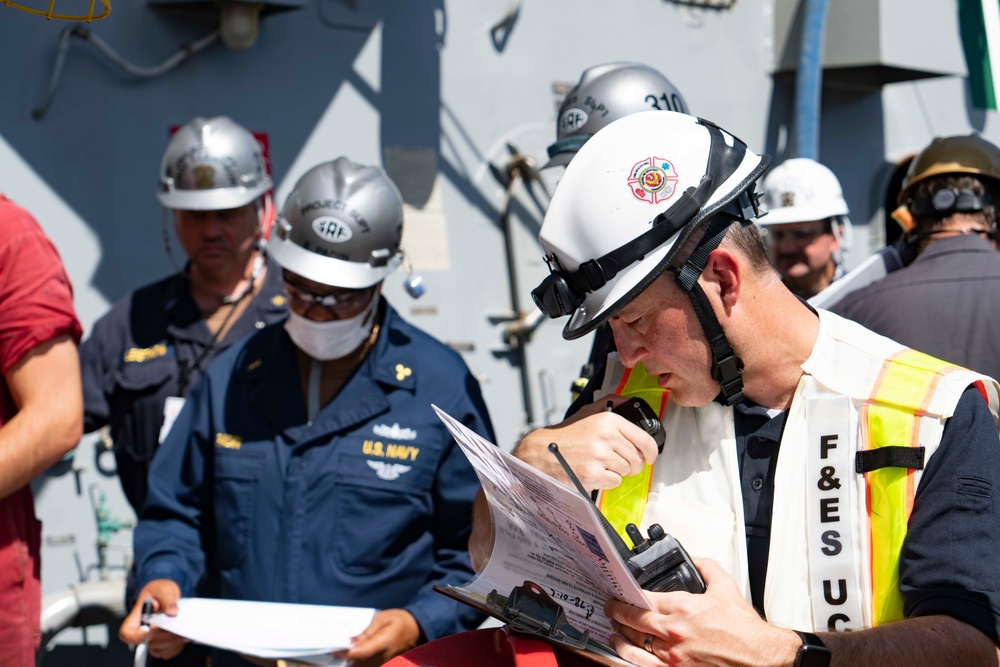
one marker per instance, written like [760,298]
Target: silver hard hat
[340,226]
[212,165]
[604,94]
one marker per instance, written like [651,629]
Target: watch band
[813,652]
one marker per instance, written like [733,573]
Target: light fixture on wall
[239,20]
[239,23]
[238,26]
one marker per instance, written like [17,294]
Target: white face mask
[334,339]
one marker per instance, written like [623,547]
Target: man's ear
[723,275]
[266,214]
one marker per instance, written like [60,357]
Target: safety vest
[626,503]
[866,416]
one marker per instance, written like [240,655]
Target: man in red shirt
[41,412]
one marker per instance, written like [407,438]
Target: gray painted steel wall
[423,86]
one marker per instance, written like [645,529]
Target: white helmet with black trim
[340,226]
[638,192]
[604,94]
[802,190]
[212,165]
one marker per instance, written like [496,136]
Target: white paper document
[548,534]
[272,630]
[873,269]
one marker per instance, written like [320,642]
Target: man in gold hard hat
[946,302]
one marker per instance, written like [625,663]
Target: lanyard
[188,367]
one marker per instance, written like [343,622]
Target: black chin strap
[727,367]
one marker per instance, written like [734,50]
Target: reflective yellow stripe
[900,397]
[625,503]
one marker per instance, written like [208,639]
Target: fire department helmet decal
[653,180]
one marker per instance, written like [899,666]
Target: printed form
[546,533]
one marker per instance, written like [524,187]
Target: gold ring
[648,643]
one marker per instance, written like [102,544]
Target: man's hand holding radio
[600,446]
[718,627]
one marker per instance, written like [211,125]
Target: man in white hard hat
[875,517]
[144,355]
[807,228]
[605,93]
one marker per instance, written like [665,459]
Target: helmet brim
[794,214]
[328,270]
[212,199]
[559,160]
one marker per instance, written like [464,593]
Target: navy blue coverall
[152,344]
[367,505]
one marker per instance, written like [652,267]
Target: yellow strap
[625,503]
[892,415]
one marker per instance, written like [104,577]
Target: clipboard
[529,610]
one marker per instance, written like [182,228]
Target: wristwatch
[812,653]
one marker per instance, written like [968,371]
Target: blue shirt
[367,505]
[152,344]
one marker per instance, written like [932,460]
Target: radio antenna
[616,539]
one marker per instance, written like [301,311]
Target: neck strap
[727,367]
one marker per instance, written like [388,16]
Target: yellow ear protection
[904,218]
[943,203]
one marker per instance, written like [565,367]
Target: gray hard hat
[604,94]
[340,226]
[212,165]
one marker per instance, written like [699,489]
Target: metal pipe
[517,345]
[96,602]
[81,31]
[809,79]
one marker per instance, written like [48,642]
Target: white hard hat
[801,190]
[628,202]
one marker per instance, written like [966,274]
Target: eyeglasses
[339,301]
[800,235]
